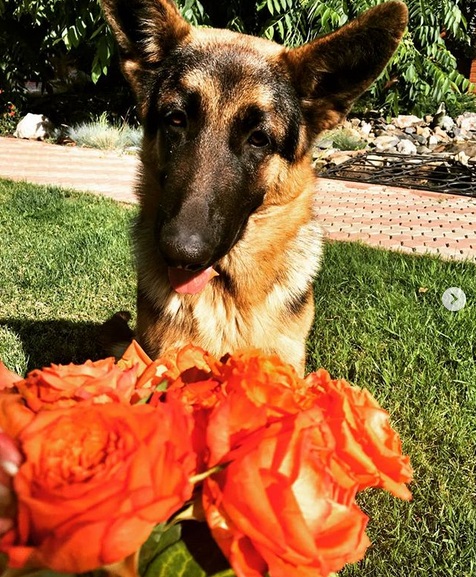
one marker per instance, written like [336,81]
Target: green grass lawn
[65,266]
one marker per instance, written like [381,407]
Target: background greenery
[379,324]
[45,40]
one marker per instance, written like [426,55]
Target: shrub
[345,139]
[9,116]
[464,103]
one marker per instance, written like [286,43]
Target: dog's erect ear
[331,72]
[146,31]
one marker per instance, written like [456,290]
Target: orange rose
[7,377]
[148,371]
[365,441]
[14,415]
[61,386]
[190,364]
[174,369]
[95,481]
[193,379]
[283,505]
[258,389]
[135,355]
[10,460]
[190,357]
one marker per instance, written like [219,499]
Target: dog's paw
[115,335]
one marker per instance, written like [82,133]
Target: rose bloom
[10,460]
[242,392]
[193,379]
[188,366]
[258,389]
[283,505]
[7,378]
[62,386]
[95,481]
[365,441]
[147,371]
[175,369]
[14,415]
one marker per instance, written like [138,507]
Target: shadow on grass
[57,341]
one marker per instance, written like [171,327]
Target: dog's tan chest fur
[260,309]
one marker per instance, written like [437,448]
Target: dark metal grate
[434,173]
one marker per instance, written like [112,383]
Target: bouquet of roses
[95,456]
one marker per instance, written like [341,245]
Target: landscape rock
[424,131]
[462,158]
[446,123]
[407,135]
[405,121]
[405,146]
[340,157]
[441,134]
[467,121]
[365,128]
[34,127]
[420,139]
[385,143]
[442,120]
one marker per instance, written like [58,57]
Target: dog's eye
[258,139]
[176,119]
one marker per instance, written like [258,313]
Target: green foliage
[44,36]
[9,116]
[426,66]
[422,70]
[464,103]
[40,39]
[345,139]
[194,12]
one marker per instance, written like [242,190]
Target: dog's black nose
[190,251]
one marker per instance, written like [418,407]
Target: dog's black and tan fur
[226,178]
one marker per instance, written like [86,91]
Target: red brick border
[472,73]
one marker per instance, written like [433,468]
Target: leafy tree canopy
[39,38]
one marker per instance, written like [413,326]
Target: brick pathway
[85,169]
[395,218]
[404,219]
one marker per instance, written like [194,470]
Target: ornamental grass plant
[105,135]
[65,266]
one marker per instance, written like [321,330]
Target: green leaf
[195,554]
[162,536]
[176,560]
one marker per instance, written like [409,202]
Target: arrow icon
[454,299]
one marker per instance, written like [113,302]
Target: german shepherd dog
[227,240]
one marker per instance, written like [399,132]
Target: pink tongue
[186,282]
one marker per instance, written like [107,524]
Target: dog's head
[220,110]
